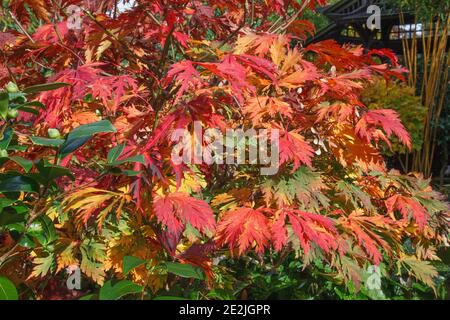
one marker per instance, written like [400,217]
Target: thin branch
[20,26]
[292,18]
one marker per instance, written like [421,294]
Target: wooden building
[348,24]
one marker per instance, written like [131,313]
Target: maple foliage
[176,210]
[156,67]
[244,227]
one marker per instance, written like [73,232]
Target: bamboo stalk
[436,62]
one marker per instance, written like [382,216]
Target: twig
[292,18]
[20,26]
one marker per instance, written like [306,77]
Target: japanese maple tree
[93,94]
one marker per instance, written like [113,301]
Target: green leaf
[8,290]
[111,291]
[4,104]
[48,173]
[24,163]
[421,270]
[45,87]
[80,135]
[130,262]
[32,104]
[28,109]
[139,158]
[131,173]
[17,147]
[16,183]
[47,142]
[92,256]
[43,230]
[91,296]
[43,265]
[5,140]
[5,203]
[185,270]
[115,152]
[18,97]
[9,216]
[27,242]
[72,145]
[88,130]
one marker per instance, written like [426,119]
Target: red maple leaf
[388,53]
[409,208]
[177,209]
[111,89]
[388,119]
[294,148]
[308,227]
[185,74]
[362,227]
[233,72]
[259,65]
[244,228]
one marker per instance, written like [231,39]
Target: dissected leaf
[175,210]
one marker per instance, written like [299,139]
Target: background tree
[429,74]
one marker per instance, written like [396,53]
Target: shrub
[88,180]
